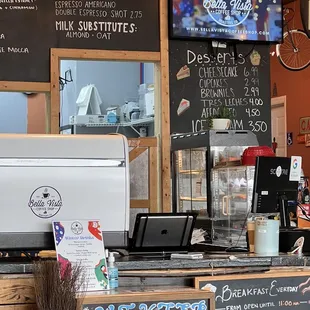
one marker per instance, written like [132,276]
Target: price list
[256,122]
[203,83]
[30,28]
[118,25]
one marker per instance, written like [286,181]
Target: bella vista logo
[225,12]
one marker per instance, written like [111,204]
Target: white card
[80,242]
[295,171]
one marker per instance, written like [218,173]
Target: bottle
[112,271]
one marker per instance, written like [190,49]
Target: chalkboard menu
[203,79]
[290,291]
[26,35]
[29,28]
[152,305]
[113,25]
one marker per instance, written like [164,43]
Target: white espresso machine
[62,177]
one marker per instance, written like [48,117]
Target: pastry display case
[232,191]
[195,158]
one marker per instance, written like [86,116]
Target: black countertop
[135,263]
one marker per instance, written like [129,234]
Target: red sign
[301,139]
[304,125]
[307,140]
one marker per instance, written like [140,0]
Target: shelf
[192,171]
[144,122]
[198,199]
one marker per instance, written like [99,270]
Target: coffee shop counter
[16,284]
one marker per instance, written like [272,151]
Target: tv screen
[245,20]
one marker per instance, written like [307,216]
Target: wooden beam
[153,180]
[108,55]
[148,142]
[139,204]
[24,87]
[136,152]
[48,113]
[165,109]
[55,92]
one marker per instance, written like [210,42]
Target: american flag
[59,232]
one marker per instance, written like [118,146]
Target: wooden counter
[17,293]
[167,279]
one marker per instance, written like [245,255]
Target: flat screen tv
[243,20]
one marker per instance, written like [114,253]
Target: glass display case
[195,158]
[232,190]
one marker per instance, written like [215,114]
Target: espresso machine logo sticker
[77,228]
[45,202]
[228,13]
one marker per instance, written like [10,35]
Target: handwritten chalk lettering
[236,124]
[103,35]
[252,112]
[119,13]
[199,125]
[68,4]
[254,81]
[227,102]
[213,83]
[250,306]
[18,50]
[289,303]
[2,49]
[136,14]
[100,4]
[251,91]
[235,102]
[253,72]
[256,101]
[212,102]
[218,72]
[64,25]
[233,307]
[228,293]
[2,36]
[115,27]
[220,58]
[21,8]
[216,93]
[209,112]
[66,12]
[92,13]
[77,35]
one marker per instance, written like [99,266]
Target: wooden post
[165,108]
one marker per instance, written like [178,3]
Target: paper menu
[80,242]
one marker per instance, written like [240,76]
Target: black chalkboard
[219,78]
[112,25]
[194,304]
[30,28]
[257,292]
[26,35]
